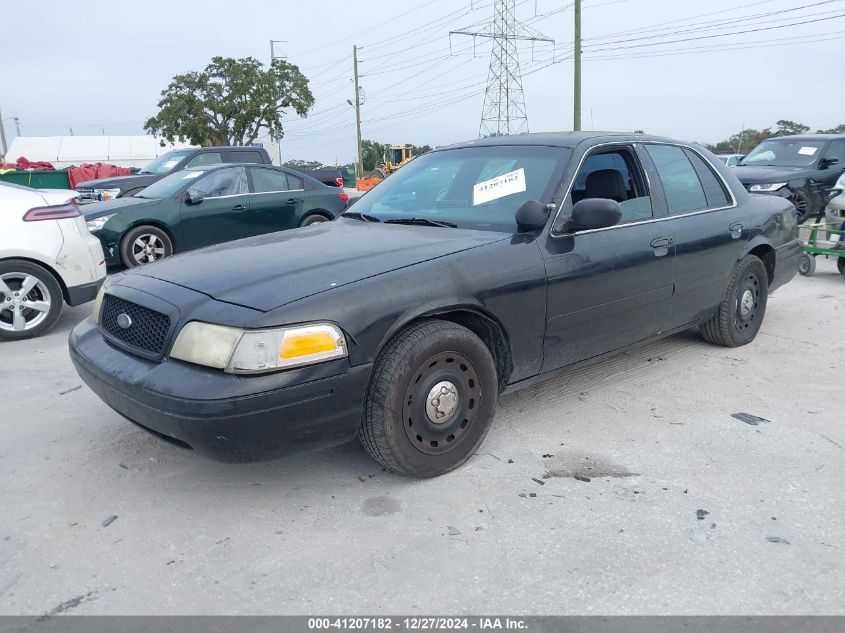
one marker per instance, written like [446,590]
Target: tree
[839,129]
[303,164]
[788,128]
[741,142]
[230,102]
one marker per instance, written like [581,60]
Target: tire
[379,173]
[840,265]
[32,314]
[806,264]
[408,426]
[743,307]
[314,218]
[803,205]
[144,244]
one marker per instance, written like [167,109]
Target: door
[708,228]
[223,214]
[610,287]
[276,199]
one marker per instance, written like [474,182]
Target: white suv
[47,257]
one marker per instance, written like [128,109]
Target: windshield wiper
[357,215]
[421,222]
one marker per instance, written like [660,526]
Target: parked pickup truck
[474,270]
[327,175]
[177,160]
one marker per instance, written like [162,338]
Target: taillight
[339,181]
[57,212]
[344,196]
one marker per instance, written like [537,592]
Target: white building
[64,151]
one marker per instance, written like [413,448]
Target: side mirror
[827,162]
[594,213]
[531,215]
[194,196]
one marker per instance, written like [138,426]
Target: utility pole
[360,169]
[576,91]
[3,146]
[272,57]
[17,121]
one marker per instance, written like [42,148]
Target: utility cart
[825,238]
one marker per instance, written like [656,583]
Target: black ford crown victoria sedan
[475,270]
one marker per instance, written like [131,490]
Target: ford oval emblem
[124,321]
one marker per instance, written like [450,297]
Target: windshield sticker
[499,187]
[808,151]
[191,174]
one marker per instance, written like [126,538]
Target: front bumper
[223,416]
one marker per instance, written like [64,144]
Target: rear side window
[295,182]
[714,189]
[683,189]
[245,157]
[206,158]
[267,180]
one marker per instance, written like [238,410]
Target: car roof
[809,137]
[557,139]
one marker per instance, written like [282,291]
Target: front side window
[222,182]
[269,180]
[836,149]
[681,185]
[614,174]
[206,158]
[472,187]
[784,152]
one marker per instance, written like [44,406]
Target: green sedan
[208,205]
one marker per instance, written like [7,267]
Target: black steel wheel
[743,307]
[806,264]
[431,399]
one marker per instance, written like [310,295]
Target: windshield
[471,187]
[164,164]
[171,185]
[784,153]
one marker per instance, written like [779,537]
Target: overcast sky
[98,67]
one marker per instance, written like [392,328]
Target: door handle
[736,230]
[661,246]
[291,201]
[238,207]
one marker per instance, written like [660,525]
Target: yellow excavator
[395,156]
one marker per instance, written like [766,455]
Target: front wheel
[30,300]
[803,205]
[430,401]
[743,307]
[840,265]
[806,264]
[144,244]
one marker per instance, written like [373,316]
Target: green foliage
[789,128]
[230,102]
[839,129]
[303,164]
[372,153]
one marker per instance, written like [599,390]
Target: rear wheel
[430,401]
[743,307]
[840,265]
[144,244]
[30,300]
[806,264]
[314,218]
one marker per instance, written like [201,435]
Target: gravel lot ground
[329,532]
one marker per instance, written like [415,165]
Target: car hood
[752,175]
[272,270]
[122,182]
[98,209]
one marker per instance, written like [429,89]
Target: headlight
[240,351]
[106,194]
[97,223]
[769,186]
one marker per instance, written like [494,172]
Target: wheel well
[322,212]
[489,331]
[48,268]
[767,255]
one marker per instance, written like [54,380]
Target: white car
[731,160]
[47,258]
[835,211]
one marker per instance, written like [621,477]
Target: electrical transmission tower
[504,102]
